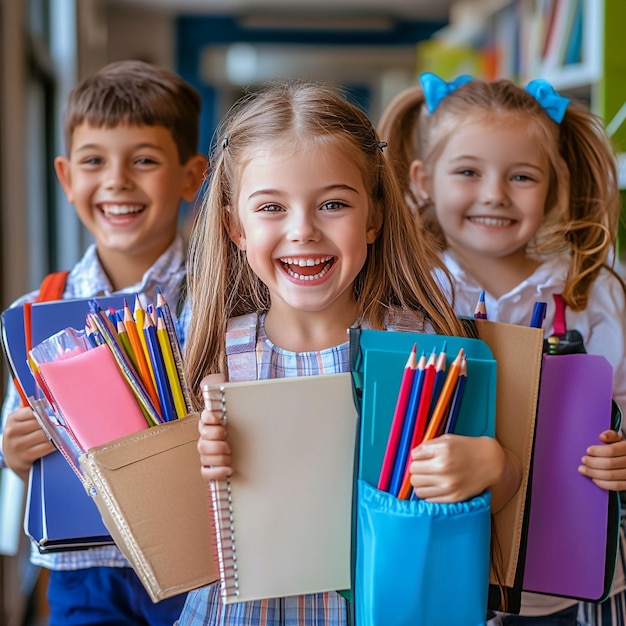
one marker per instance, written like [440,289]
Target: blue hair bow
[553,103]
[436,89]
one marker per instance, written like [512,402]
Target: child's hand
[24,441]
[605,464]
[212,445]
[452,468]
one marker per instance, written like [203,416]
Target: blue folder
[60,515]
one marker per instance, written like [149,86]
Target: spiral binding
[222,505]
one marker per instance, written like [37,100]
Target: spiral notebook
[283,519]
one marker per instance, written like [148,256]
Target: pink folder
[569,530]
[97,403]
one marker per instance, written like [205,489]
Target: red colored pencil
[398,418]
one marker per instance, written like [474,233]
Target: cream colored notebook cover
[283,518]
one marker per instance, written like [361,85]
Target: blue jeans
[566,617]
[107,596]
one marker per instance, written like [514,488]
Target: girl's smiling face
[489,187]
[304,223]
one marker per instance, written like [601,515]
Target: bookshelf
[577,45]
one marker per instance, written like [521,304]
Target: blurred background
[371,48]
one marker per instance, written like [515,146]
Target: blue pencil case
[420,562]
[408,555]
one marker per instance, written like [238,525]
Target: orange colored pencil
[140,356]
[445,397]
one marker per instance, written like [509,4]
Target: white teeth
[121,209]
[304,262]
[313,277]
[491,221]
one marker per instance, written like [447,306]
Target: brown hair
[138,93]
[399,269]
[583,203]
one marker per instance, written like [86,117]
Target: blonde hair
[583,203]
[400,264]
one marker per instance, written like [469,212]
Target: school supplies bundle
[114,376]
[82,390]
[411,550]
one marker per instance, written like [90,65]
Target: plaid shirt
[88,279]
[204,606]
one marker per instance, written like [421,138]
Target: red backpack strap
[560,326]
[53,286]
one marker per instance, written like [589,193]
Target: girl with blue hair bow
[519,187]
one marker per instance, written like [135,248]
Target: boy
[131,134]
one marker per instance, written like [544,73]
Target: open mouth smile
[307,269]
[493,222]
[120,210]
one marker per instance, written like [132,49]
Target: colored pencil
[141,357]
[457,398]
[539,314]
[139,317]
[122,336]
[445,397]
[170,367]
[407,427]
[420,422]
[440,377]
[397,420]
[480,312]
[165,398]
[162,306]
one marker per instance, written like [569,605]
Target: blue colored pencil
[480,312]
[407,428]
[539,314]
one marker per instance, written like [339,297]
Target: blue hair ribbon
[553,103]
[436,88]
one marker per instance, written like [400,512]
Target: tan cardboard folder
[156,505]
[518,353]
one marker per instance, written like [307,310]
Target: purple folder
[566,552]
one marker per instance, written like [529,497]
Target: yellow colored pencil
[170,368]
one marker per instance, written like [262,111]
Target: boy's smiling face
[126,184]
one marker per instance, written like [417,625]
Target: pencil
[407,427]
[480,312]
[122,335]
[170,367]
[440,377]
[420,423]
[139,317]
[142,364]
[457,398]
[445,397]
[162,306]
[154,351]
[398,418]
[539,314]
